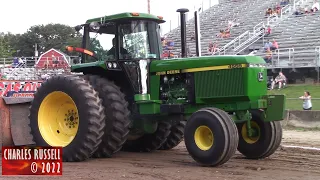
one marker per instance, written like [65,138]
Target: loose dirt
[285,164]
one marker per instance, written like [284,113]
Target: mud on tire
[175,136]
[149,142]
[117,116]
[85,122]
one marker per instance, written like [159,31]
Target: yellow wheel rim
[204,138]
[244,133]
[58,119]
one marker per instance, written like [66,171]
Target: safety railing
[234,43]
[284,52]
[284,13]
[254,38]
[31,68]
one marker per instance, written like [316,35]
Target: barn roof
[60,52]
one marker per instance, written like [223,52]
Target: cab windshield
[139,40]
[136,39]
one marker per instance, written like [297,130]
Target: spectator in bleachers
[213,48]
[315,6]
[280,79]
[277,9]
[274,45]
[267,45]
[299,11]
[306,11]
[284,2]
[268,31]
[268,56]
[193,37]
[269,12]
[232,23]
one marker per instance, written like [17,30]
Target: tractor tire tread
[117,116]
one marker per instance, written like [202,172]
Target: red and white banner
[31,160]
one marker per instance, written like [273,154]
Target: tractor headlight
[114,65]
[109,65]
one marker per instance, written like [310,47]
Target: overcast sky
[17,16]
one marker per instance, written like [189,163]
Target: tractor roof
[128,15]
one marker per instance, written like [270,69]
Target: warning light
[69,48]
[135,14]
[160,17]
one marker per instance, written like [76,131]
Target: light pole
[148,6]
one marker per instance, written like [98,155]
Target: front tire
[265,143]
[211,137]
[66,111]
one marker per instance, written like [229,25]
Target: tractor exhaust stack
[183,31]
[197,33]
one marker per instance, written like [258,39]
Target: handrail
[254,28]
[253,37]
[291,52]
[225,47]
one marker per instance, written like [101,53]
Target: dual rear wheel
[212,137]
[87,116]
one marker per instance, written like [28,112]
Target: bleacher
[297,36]
[25,71]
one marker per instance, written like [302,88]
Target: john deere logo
[260,76]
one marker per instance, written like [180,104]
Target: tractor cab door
[138,44]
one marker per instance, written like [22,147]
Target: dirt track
[286,163]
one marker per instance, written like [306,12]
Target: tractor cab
[125,42]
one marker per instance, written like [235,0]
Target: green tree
[56,36]
[5,48]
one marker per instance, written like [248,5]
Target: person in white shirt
[307,105]
[315,7]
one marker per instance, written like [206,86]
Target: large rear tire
[149,142]
[117,116]
[211,137]
[66,111]
[265,143]
[175,136]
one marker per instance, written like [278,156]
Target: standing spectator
[307,105]
[280,79]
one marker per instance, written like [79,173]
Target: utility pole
[148,6]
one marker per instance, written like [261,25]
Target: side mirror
[78,28]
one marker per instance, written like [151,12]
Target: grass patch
[295,91]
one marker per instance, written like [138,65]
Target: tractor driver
[112,51]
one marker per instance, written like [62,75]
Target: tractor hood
[198,62]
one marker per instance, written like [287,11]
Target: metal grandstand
[297,35]
[26,69]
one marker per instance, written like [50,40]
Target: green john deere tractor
[129,99]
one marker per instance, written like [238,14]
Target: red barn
[53,59]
